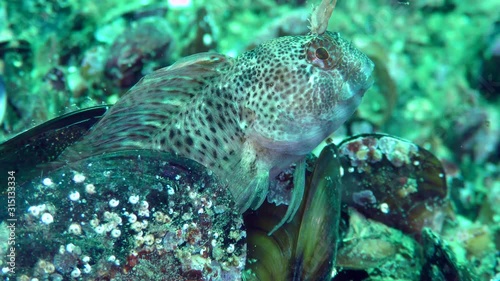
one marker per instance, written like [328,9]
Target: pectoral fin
[299,182]
[251,195]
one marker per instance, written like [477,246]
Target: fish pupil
[322,53]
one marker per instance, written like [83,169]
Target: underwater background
[436,84]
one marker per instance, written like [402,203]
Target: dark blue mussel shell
[128,215]
[43,143]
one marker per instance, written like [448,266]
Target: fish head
[300,89]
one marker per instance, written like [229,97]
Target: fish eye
[322,53]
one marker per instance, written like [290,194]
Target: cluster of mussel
[373,208]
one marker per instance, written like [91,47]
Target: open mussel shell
[305,248]
[394,181]
[128,215]
[27,151]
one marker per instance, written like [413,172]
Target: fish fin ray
[157,99]
[299,182]
[254,194]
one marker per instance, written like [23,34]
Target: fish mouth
[359,88]
[344,64]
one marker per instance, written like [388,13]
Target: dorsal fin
[146,107]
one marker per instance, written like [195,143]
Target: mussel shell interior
[305,248]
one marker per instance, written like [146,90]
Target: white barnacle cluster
[75,229]
[37,210]
[86,268]
[138,226]
[398,152]
[134,212]
[143,218]
[44,267]
[143,237]
[161,218]
[112,259]
[73,251]
[361,152]
[90,188]
[78,178]
[109,223]
[132,217]
[205,203]
[143,209]
[47,182]
[113,220]
[74,195]
[113,203]
[364,151]
[43,212]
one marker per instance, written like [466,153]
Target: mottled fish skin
[245,118]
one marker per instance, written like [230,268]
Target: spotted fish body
[247,118]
